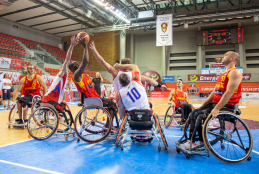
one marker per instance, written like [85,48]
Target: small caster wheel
[181,129]
[249,158]
[66,137]
[188,156]
[222,146]
[47,130]
[159,149]
[178,150]
[9,127]
[122,147]
[29,136]
[23,127]
[78,140]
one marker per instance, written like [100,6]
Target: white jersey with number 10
[134,96]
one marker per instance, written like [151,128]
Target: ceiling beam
[61,12]
[60,26]
[22,10]
[74,12]
[69,31]
[49,22]
[34,17]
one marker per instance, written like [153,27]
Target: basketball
[83,35]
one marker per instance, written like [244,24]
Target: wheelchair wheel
[123,125]
[230,132]
[169,115]
[65,121]
[161,131]
[43,123]
[93,124]
[13,114]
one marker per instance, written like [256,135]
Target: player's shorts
[26,99]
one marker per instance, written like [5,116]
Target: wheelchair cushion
[140,115]
[140,125]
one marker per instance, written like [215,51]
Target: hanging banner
[164,30]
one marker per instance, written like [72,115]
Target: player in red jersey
[31,85]
[177,97]
[227,93]
[84,83]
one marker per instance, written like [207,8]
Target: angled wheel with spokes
[93,124]
[228,131]
[169,115]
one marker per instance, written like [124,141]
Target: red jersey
[221,87]
[179,98]
[31,86]
[85,86]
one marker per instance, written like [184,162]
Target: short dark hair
[125,61]
[181,80]
[124,79]
[72,64]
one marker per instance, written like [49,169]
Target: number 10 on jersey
[133,94]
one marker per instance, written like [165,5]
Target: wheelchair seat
[140,119]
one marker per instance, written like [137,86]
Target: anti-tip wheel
[222,147]
[159,149]
[122,147]
[78,140]
[178,150]
[66,137]
[188,156]
[249,158]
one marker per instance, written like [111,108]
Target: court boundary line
[29,167]
[15,143]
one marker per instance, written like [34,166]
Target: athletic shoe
[188,145]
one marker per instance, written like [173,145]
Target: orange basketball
[83,35]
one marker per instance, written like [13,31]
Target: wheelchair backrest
[140,115]
[93,101]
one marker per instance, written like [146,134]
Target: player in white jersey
[116,73]
[56,90]
[133,94]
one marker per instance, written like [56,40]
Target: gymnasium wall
[28,33]
[185,57]
[107,44]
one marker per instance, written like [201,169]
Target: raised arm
[42,84]
[16,92]
[64,69]
[83,65]
[120,105]
[100,59]
[153,82]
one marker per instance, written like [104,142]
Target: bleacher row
[11,49]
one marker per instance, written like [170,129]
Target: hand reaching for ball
[92,46]
[74,42]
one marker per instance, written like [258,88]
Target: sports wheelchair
[176,117]
[141,125]
[14,115]
[226,137]
[94,123]
[50,118]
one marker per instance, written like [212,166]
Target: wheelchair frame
[68,126]
[15,110]
[207,146]
[88,104]
[151,133]
[175,117]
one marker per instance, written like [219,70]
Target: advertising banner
[5,62]
[168,78]
[13,76]
[212,77]
[164,30]
[48,79]
[16,64]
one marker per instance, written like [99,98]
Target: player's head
[230,57]
[179,83]
[124,79]
[30,70]
[73,66]
[6,75]
[125,61]
[98,75]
